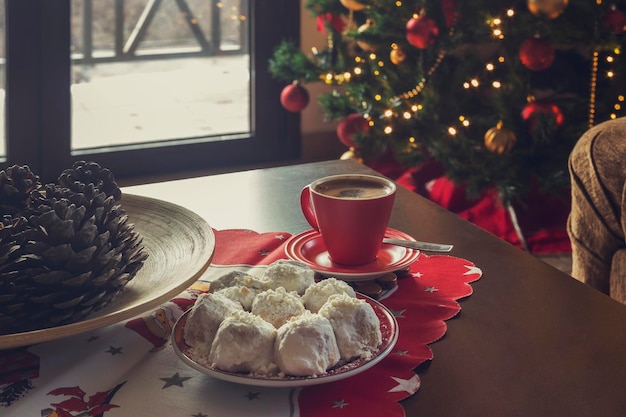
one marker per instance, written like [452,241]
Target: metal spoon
[426,246]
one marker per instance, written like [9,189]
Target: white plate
[388,329]
[308,247]
[180,246]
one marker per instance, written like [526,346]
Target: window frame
[38,101]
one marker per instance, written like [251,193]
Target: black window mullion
[55,91]
[23,83]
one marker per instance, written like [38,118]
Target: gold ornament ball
[369,24]
[353,5]
[397,56]
[550,9]
[500,140]
[351,154]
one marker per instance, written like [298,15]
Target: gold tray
[180,245]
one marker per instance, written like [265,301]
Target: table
[530,341]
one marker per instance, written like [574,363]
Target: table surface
[530,341]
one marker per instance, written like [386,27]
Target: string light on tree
[480,60]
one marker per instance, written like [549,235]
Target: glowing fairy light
[496,31]
[378,97]
[357,71]
[347,76]
[406,115]
[474,82]
[510,13]
[452,131]
[416,107]
[388,113]
[496,84]
[490,66]
[610,74]
[388,130]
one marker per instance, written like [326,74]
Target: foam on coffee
[353,188]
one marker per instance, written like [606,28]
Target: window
[146,87]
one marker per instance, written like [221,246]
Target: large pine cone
[66,249]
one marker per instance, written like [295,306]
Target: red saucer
[309,248]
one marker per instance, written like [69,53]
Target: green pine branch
[439,102]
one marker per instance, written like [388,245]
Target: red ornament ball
[450,12]
[352,124]
[534,111]
[294,97]
[615,20]
[421,31]
[537,54]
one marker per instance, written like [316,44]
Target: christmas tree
[497,92]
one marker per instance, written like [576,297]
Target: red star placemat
[116,368]
[423,301]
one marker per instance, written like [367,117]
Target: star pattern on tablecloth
[406,385]
[340,404]
[431,289]
[472,269]
[264,252]
[417,274]
[280,237]
[401,352]
[114,350]
[398,313]
[92,338]
[174,380]
[253,395]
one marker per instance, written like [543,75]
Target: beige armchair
[597,219]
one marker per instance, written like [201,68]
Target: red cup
[351,212]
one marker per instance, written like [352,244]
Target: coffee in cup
[351,212]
